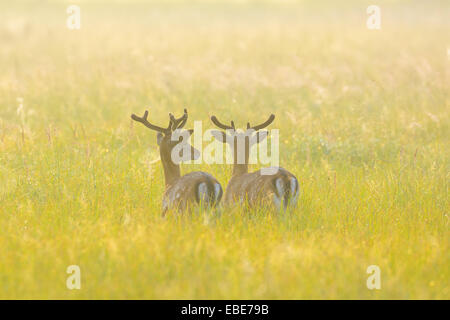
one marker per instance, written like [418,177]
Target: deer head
[240,141]
[168,138]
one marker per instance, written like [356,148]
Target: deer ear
[219,135]
[180,133]
[159,138]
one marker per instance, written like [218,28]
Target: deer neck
[171,170]
[239,167]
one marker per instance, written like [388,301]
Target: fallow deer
[181,192]
[280,188]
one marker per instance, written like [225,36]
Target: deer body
[194,187]
[182,192]
[280,189]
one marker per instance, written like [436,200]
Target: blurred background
[364,124]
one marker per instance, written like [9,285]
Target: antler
[221,125]
[256,128]
[180,122]
[145,122]
[262,125]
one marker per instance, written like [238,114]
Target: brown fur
[181,191]
[255,188]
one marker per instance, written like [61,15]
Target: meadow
[364,125]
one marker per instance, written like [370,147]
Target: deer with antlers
[181,192]
[280,188]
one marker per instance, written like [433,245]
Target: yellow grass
[364,125]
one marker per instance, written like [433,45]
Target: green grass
[364,124]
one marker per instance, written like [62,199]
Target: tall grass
[364,124]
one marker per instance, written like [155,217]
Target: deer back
[280,189]
[193,188]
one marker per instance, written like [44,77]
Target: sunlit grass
[364,124]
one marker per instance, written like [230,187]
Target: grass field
[364,124]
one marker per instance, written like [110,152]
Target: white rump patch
[217,190]
[202,192]
[295,190]
[278,196]
[280,186]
